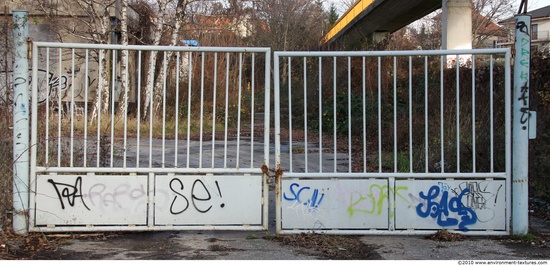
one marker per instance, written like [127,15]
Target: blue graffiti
[442,209]
[313,202]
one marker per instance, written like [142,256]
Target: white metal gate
[195,163]
[393,142]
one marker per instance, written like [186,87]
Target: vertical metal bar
[267,103]
[59,108]
[86,88]
[334,96]
[289,77]
[521,111]
[267,130]
[113,90]
[252,75]
[379,115]
[491,115]
[391,203]
[151,76]
[98,109]
[201,123]
[150,198]
[138,117]
[473,113]
[508,135]
[164,70]
[410,117]
[239,109]
[426,143]
[214,96]
[305,115]
[49,89]
[71,161]
[21,127]
[177,109]
[17,222]
[226,108]
[349,114]
[364,117]
[441,121]
[320,115]
[394,114]
[277,114]
[126,102]
[457,114]
[190,71]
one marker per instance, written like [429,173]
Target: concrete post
[456,27]
[521,116]
[20,123]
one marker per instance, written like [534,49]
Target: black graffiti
[525,112]
[521,26]
[524,94]
[53,83]
[69,192]
[181,187]
[19,98]
[197,189]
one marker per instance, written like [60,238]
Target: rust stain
[278,176]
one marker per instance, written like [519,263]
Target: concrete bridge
[373,19]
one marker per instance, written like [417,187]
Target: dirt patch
[222,248]
[446,236]
[333,247]
[35,246]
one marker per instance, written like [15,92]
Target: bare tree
[123,99]
[485,15]
[179,16]
[288,25]
[158,21]
[344,5]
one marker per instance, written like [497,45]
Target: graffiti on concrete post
[523,99]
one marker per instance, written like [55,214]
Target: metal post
[21,122]
[520,189]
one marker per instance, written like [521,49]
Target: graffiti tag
[446,206]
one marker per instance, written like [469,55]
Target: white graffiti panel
[334,204]
[452,204]
[91,200]
[208,200]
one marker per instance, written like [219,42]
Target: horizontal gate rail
[184,145]
[429,121]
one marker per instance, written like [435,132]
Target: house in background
[540,30]
[486,33]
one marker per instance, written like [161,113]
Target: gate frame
[391,177]
[150,172]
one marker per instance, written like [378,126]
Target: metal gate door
[393,142]
[121,148]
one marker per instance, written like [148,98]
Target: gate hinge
[275,172]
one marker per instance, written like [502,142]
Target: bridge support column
[456,26]
[378,36]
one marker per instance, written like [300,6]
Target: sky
[531,4]
[536,4]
